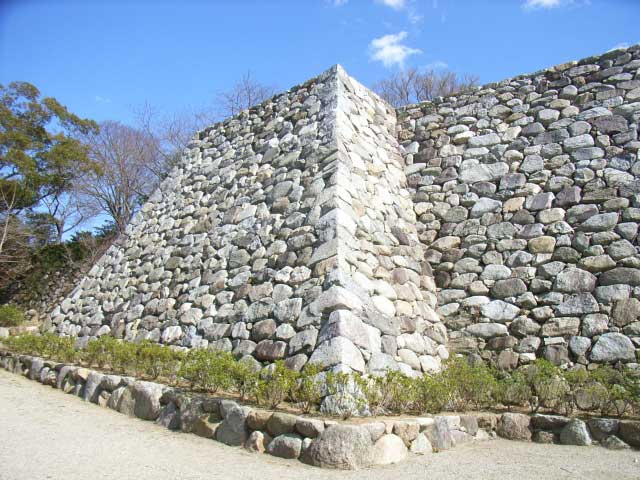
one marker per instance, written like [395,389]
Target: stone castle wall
[324,226]
[286,233]
[527,192]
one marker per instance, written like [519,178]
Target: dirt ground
[46,434]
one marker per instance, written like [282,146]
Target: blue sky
[101,58]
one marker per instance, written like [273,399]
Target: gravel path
[46,434]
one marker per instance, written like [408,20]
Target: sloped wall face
[219,255]
[527,194]
[386,317]
[286,233]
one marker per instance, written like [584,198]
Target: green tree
[39,156]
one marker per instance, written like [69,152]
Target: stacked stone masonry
[321,442]
[325,226]
[287,232]
[527,193]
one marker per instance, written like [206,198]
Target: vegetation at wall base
[10,316]
[460,386]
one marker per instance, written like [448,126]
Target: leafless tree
[15,241]
[412,86]
[67,211]
[125,176]
[172,133]
[244,94]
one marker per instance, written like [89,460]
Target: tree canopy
[39,153]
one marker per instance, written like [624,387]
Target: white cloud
[437,65]
[390,50]
[395,4]
[408,6]
[543,3]
[415,17]
[549,4]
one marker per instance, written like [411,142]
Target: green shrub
[432,393]
[28,344]
[245,378]
[307,392]
[154,360]
[613,390]
[513,390]
[125,358]
[548,386]
[59,348]
[471,385]
[208,370]
[390,393]
[276,384]
[461,385]
[338,382]
[347,386]
[577,380]
[10,316]
[100,351]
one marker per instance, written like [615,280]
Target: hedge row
[460,386]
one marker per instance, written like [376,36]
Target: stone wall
[287,232]
[527,194]
[323,225]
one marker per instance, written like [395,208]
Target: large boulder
[37,364]
[92,387]
[62,375]
[233,430]
[205,426]
[257,442]
[630,432]
[620,275]
[389,449]
[514,426]
[344,447]
[281,423]
[612,347]
[407,431]
[614,443]
[575,433]
[338,351]
[257,419]
[575,280]
[147,399]
[439,434]
[550,423]
[602,428]
[421,445]
[169,417]
[287,445]
[123,401]
[309,427]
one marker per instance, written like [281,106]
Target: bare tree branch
[412,86]
[244,94]
[124,177]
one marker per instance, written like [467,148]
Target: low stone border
[323,443]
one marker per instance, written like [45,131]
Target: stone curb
[319,442]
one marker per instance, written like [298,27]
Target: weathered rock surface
[341,446]
[389,449]
[514,426]
[575,433]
